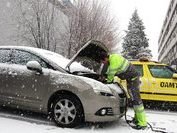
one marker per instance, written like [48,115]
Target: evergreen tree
[135,44]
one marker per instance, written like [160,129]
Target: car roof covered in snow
[49,55]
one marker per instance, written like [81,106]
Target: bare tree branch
[38,23]
[90,19]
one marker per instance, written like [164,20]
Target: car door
[163,86]
[3,80]
[4,62]
[26,87]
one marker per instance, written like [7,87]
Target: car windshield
[172,69]
[85,64]
[63,61]
[56,58]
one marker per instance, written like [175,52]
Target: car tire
[66,111]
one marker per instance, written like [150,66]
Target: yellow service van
[158,81]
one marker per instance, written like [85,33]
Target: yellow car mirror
[175,75]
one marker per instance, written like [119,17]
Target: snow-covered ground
[11,122]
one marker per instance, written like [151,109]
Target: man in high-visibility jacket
[121,67]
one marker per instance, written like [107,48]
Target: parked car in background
[158,81]
[35,79]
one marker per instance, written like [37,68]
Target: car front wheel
[67,111]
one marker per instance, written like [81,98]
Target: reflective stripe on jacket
[117,65]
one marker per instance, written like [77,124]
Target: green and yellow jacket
[117,64]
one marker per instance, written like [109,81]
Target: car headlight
[106,94]
[98,87]
[102,93]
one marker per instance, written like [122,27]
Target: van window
[139,69]
[159,71]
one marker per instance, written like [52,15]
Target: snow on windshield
[57,58]
[63,61]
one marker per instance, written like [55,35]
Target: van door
[163,86]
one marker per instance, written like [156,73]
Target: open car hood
[91,51]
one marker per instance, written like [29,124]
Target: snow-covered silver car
[37,80]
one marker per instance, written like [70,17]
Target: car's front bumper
[94,103]
[104,118]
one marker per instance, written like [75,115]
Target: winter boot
[140,117]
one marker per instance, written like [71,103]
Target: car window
[139,69]
[158,71]
[5,55]
[22,57]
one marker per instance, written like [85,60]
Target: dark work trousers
[133,84]
[133,89]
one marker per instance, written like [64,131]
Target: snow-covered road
[18,122]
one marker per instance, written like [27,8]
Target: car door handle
[12,73]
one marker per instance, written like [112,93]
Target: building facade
[167,43]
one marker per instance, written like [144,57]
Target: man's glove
[102,79]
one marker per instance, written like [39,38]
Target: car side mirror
[34,66]
[175,75]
